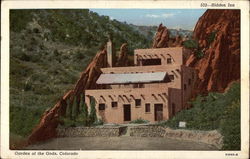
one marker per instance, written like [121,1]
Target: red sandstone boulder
[161,38]
[221,62]
[123,56]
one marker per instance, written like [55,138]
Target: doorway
[158,112]
[127,112]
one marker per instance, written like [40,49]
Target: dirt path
[119,143]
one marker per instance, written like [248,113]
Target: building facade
[155,89]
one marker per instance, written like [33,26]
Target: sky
[172,18]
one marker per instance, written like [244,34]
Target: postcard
[125,79]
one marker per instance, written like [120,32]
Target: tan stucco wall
[176,54]
[115,115]
[188,73]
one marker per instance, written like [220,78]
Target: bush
[139,121]
[230,127]
[211,37]
[80,117]
[199,54]
[190,44]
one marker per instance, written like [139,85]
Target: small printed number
[203,4]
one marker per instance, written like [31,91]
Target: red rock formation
[178,41]
[161,38]
[221,62]
[46,129]
[123,56]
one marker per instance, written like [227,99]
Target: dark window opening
[137,102]
[114,104]
[189,81]
[185,86]
[171,77]
[147,107]
[173,109]
[141,85]
[127,112]
[158,112]
[146,62]
[136,85]
[101,106]
[169,60]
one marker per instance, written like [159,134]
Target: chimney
[110,53]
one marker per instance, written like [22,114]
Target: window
[101,106]
[171,77]
[169,60]
[147,107]
[137,102]
[189,81]
[114,104]
[148,62]
[136,85]
[141,85]
[185,86]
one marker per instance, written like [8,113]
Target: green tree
[74,108]
[92,114]
[69,109]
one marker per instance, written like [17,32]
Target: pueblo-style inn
[155,89]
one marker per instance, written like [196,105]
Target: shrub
[139,121]
[211,37]
[230,127]
[190,44]
[92,114]
[199,54]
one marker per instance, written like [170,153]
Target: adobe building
[155,89]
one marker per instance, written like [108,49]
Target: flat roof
[158,50]
[131,78]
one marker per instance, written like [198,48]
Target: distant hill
[149,31]
[48,50]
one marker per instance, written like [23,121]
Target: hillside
[48,50]
[219,111]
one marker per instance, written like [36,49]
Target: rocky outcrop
[161,38]
[123,56]
[218,36]
[46,128]
[178,41]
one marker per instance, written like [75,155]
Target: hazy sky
[172,18]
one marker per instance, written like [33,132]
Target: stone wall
[147,131]
[91,131]
[208,137]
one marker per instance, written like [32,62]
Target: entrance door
[127,112]
[158,112]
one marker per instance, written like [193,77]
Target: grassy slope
[219,111]
[48,50]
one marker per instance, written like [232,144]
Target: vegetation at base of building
[48,50]
[77,114]
[219,111]
[139,121]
